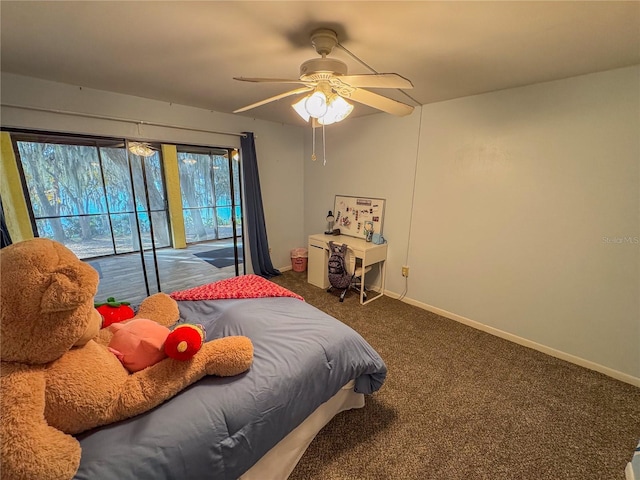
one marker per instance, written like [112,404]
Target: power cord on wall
[413,196]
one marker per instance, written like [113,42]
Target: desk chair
[345,270]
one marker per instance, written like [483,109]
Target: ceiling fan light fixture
[316,104]
[338,110]
[141,149]
[300,110]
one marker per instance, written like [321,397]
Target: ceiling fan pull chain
[313,143]
[324,147]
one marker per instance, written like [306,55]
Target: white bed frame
[279,462]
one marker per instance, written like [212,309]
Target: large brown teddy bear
[56,380]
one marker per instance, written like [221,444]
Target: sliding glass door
[210,186]
[134,188]
[106,200]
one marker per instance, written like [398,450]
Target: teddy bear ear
[71,286]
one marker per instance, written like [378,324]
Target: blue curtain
[5,239]
[254,213]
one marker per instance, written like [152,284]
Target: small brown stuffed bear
[56,380]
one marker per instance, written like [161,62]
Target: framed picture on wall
[355,216]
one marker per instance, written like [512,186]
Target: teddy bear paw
[228,356]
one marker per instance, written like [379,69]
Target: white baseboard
[624,377]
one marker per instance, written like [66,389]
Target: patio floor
[122,276]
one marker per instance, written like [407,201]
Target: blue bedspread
[219,427]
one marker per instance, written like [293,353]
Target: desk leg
[381,272]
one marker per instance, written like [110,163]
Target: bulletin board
[351,213]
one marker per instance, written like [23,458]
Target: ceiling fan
[328,86]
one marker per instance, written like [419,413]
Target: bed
[307,367]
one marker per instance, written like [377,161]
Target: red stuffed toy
[184,341]
[114,312]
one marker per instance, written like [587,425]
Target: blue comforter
[219,427]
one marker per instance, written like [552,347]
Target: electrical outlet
[405,271]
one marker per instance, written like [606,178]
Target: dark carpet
[222,257]
[459,403]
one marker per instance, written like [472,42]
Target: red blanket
[244,286]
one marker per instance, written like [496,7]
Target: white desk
[369,254]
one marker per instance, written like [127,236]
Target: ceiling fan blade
[377,80]
[270,80]
[274,98]
[381,103]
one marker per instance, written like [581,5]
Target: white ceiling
[187,52]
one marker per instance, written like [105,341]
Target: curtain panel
[256,229]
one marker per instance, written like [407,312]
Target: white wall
[279,148]
[516,193]
[529,183]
